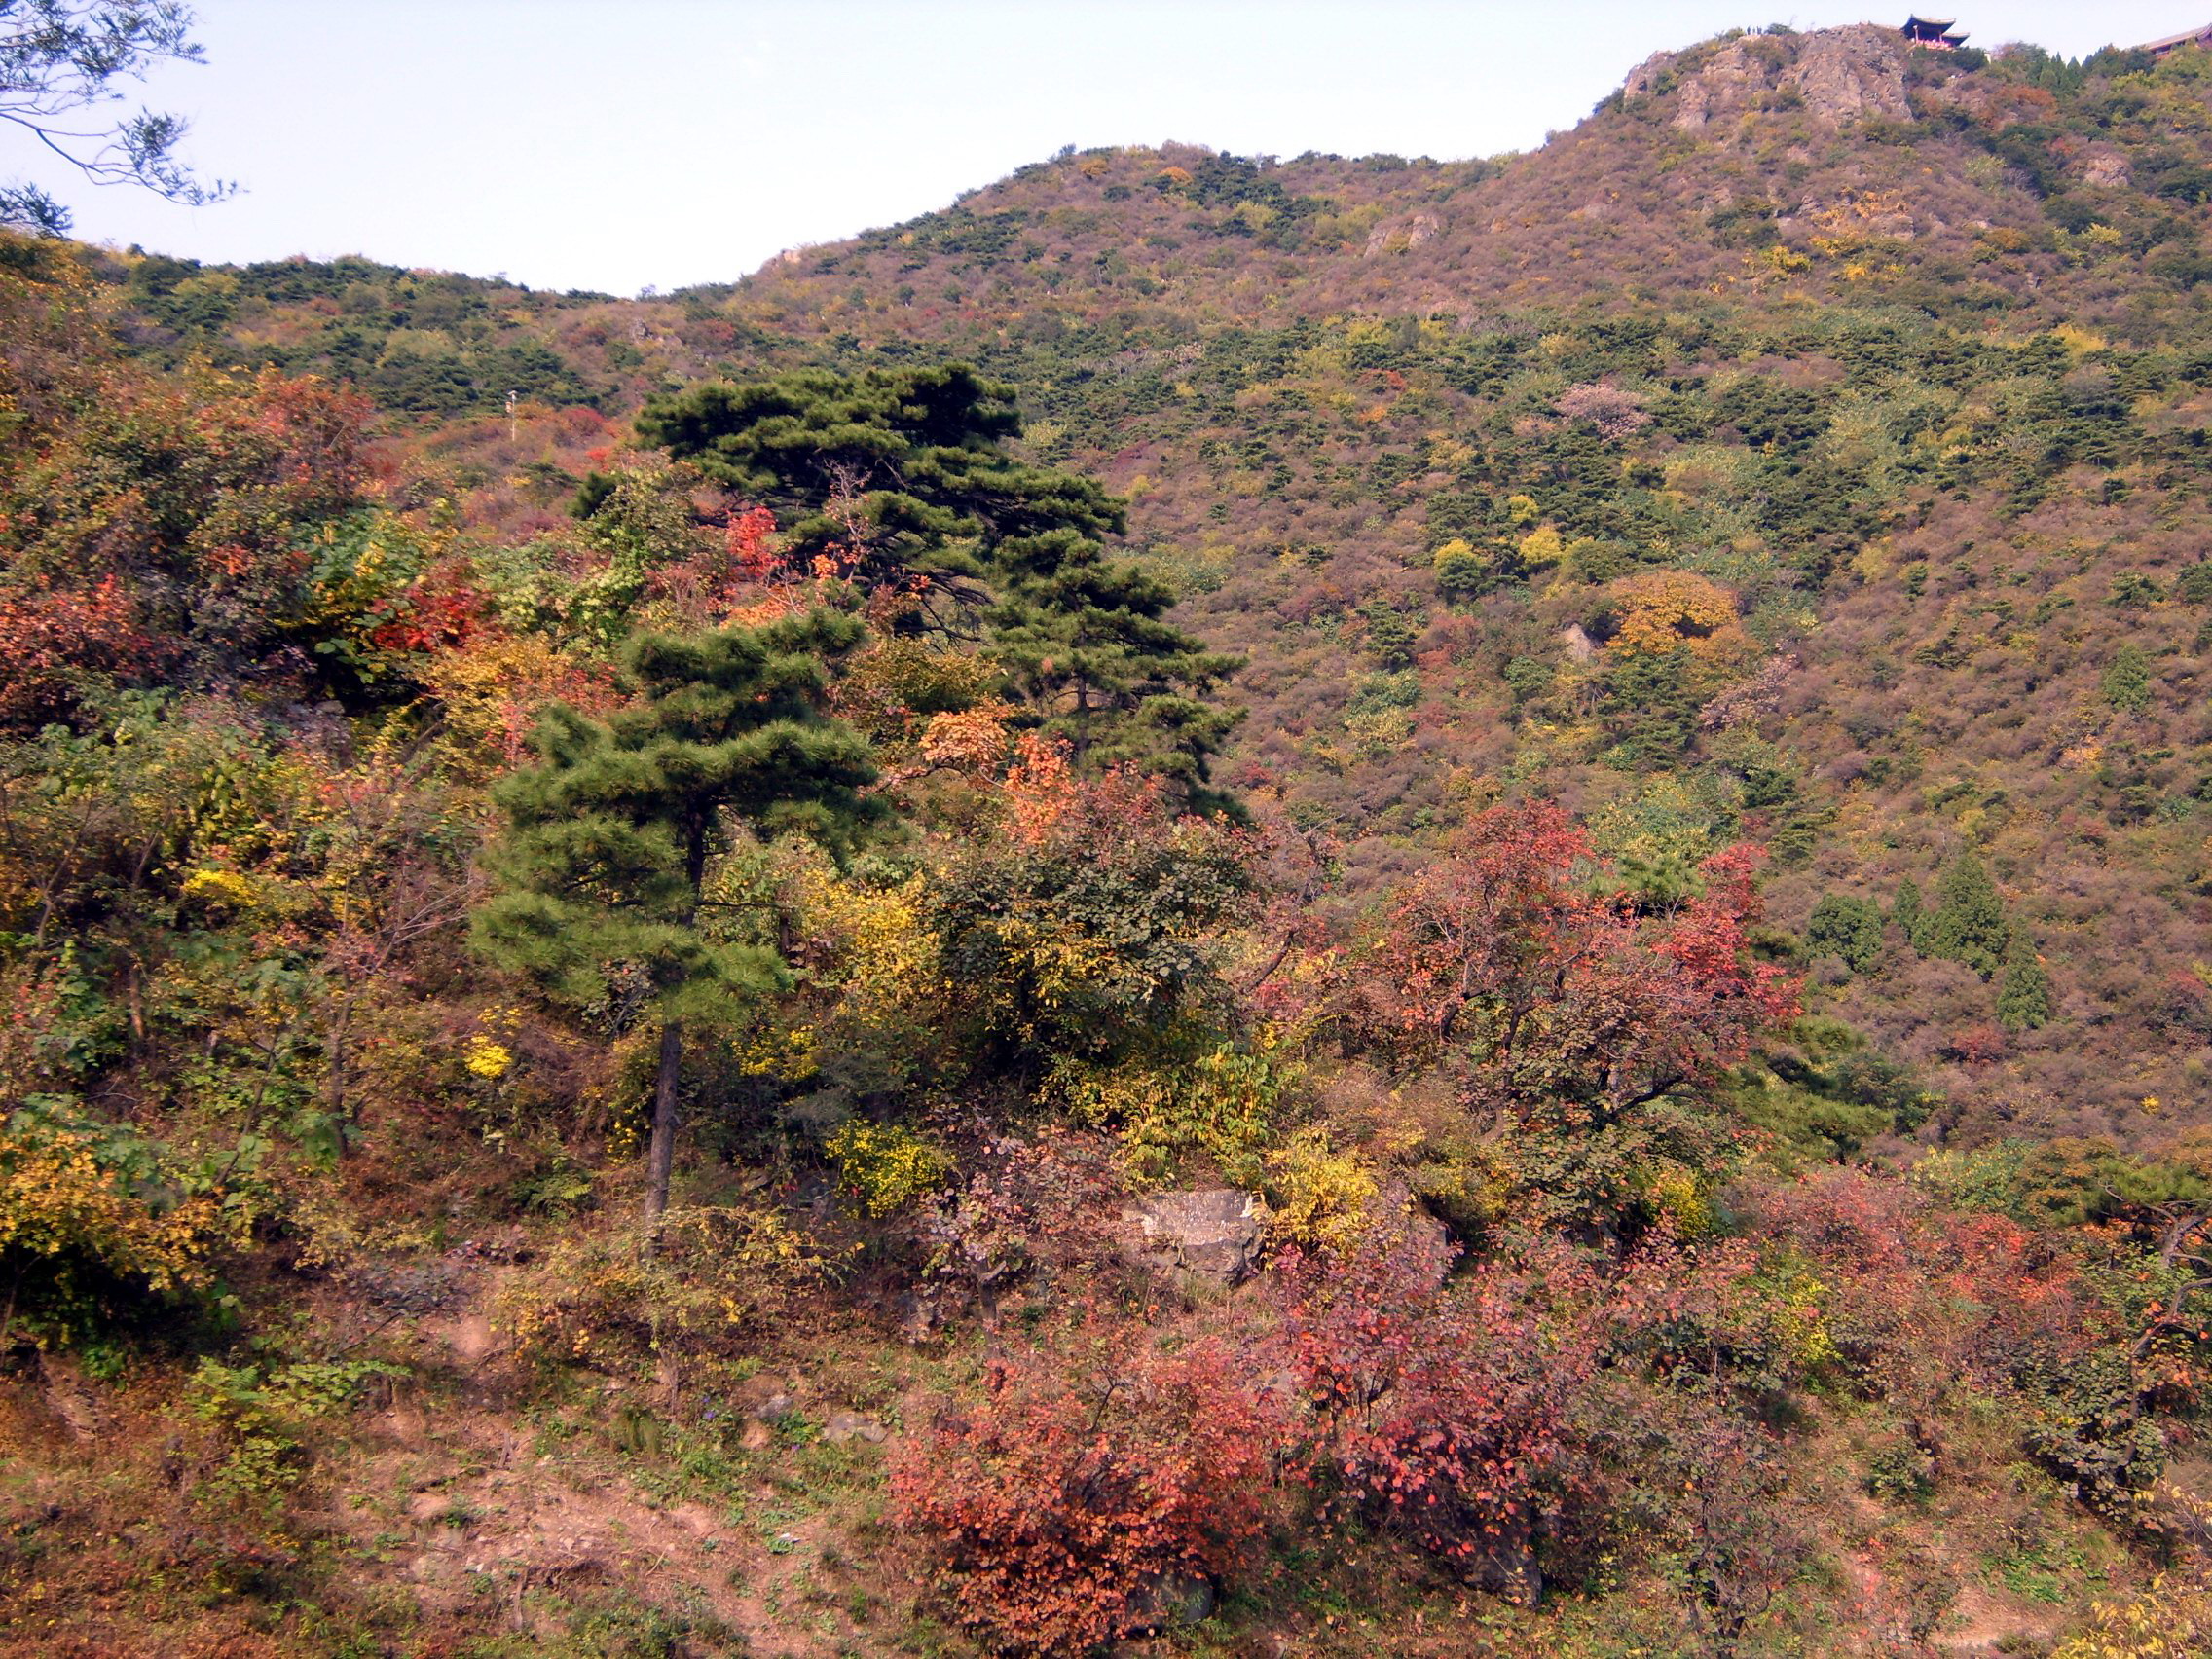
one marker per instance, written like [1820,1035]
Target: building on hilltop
[2174,43]
[1936,34]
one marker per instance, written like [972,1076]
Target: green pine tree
[611,836]
[2023,995]
[1905,913]
[1846,927]
[1969,923]
[902,477]
[2127,682]
[1090,648]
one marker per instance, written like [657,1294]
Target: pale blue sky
[615,143]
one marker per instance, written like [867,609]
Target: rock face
[1845,74]
[1837,75]
[2107,168]
[1397,235]
[1213,1233]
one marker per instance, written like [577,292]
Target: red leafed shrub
[1979,1045]
[1919,1296]
[1553,990]
[1056,1502]
[51,638]
[442,611]
[1440,1403]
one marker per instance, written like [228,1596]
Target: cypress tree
[2023,995]
[1969,924]
[902,478]
[611,837]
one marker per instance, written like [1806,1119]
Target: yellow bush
[608,1302]
[1217,1105]
[1665,611]
[1794,1298]
[886,1165]
[71,1227]
[877,950]
[1542,548]
[1675,1194]
[1322,1196]
[221,886]
[2169,1620]
[485,1058]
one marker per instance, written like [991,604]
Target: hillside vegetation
[1223,906]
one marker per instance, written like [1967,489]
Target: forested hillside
[1222,904]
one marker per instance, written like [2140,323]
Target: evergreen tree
[611,835]
[2023,995]
[1905,913]
[2127,683]
[1969,924]
[1846,927]
[902,478]
[1091,649]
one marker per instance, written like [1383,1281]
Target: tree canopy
[612,833]
[59,58]
[899,480]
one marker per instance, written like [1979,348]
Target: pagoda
[1936,34]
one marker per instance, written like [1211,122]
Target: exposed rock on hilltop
[1836,75]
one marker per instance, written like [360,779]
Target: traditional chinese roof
[1929,28]
[2191,37]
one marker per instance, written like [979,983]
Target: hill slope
[1475,1204]
[1905,353]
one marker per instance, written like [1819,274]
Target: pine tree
[902,478]
[2023,995]
[1089,647]
[1969,924]
[1846,927]
[611,835]
[1905,913]
[2127,682]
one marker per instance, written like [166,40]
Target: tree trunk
[660,1155]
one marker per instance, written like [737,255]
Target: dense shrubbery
[872,837]
[1079,1497]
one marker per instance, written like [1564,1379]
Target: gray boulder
[1213,1233]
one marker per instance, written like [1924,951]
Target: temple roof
[2192,37]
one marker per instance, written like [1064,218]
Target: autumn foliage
[1056,1506]
[1549,990]
[1439,1403]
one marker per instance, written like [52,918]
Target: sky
[621,144]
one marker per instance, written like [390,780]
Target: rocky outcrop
[1213,1233]
[1846,74]
[845,1427]
[1176,1601]
[2107,168]
[1396,236]
[1838,76]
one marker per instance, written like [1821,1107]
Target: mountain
[1905,354]
[1670,1115]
